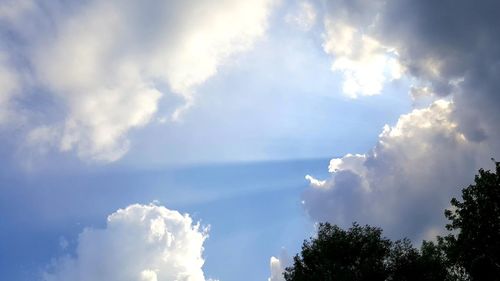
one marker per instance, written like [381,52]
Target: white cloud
[9,86]
[304,17]
[11,10]
[276,270]
[278,265]
[140,242]
[365,63]
[110,62]
[315,182]
[406,181]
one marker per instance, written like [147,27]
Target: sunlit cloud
[140,242]
[405,181]
[366,65]
[110,63]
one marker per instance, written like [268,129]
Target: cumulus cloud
[408,178]
[109,63]
[140,242]
[405,182]
[453,55]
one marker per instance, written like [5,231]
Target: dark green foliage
[403,261]
[474,243]
[433,263]
[406,263]
[361,253]
[336,254]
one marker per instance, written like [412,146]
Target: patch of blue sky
[281,100]
[254,210]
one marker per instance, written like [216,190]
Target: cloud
[109,63]
[9,86]
[453,55]
[304,17]
[12,10]
[365,63]
[407,179]
[278,265]
[276,270]
[140,242]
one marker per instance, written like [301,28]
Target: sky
[204,140]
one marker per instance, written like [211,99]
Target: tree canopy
[336,254]
[362,253]
[474,241]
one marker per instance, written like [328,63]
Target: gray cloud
[405,182]
[450,51]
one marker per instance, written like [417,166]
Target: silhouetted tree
[406,263]
[403,261]
[361,253]
[336,254]
[474,244]
[434,264]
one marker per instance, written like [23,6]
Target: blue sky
[125,123]
[243,202]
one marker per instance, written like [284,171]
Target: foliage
[336,254]
[361,253]
[474,244]
[406,263]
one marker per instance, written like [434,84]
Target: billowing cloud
[140,242]
[109,63]
[405,182]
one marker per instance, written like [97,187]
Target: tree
[406,263]
[474,243]
[336,254]
[361,253]
[434,263]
